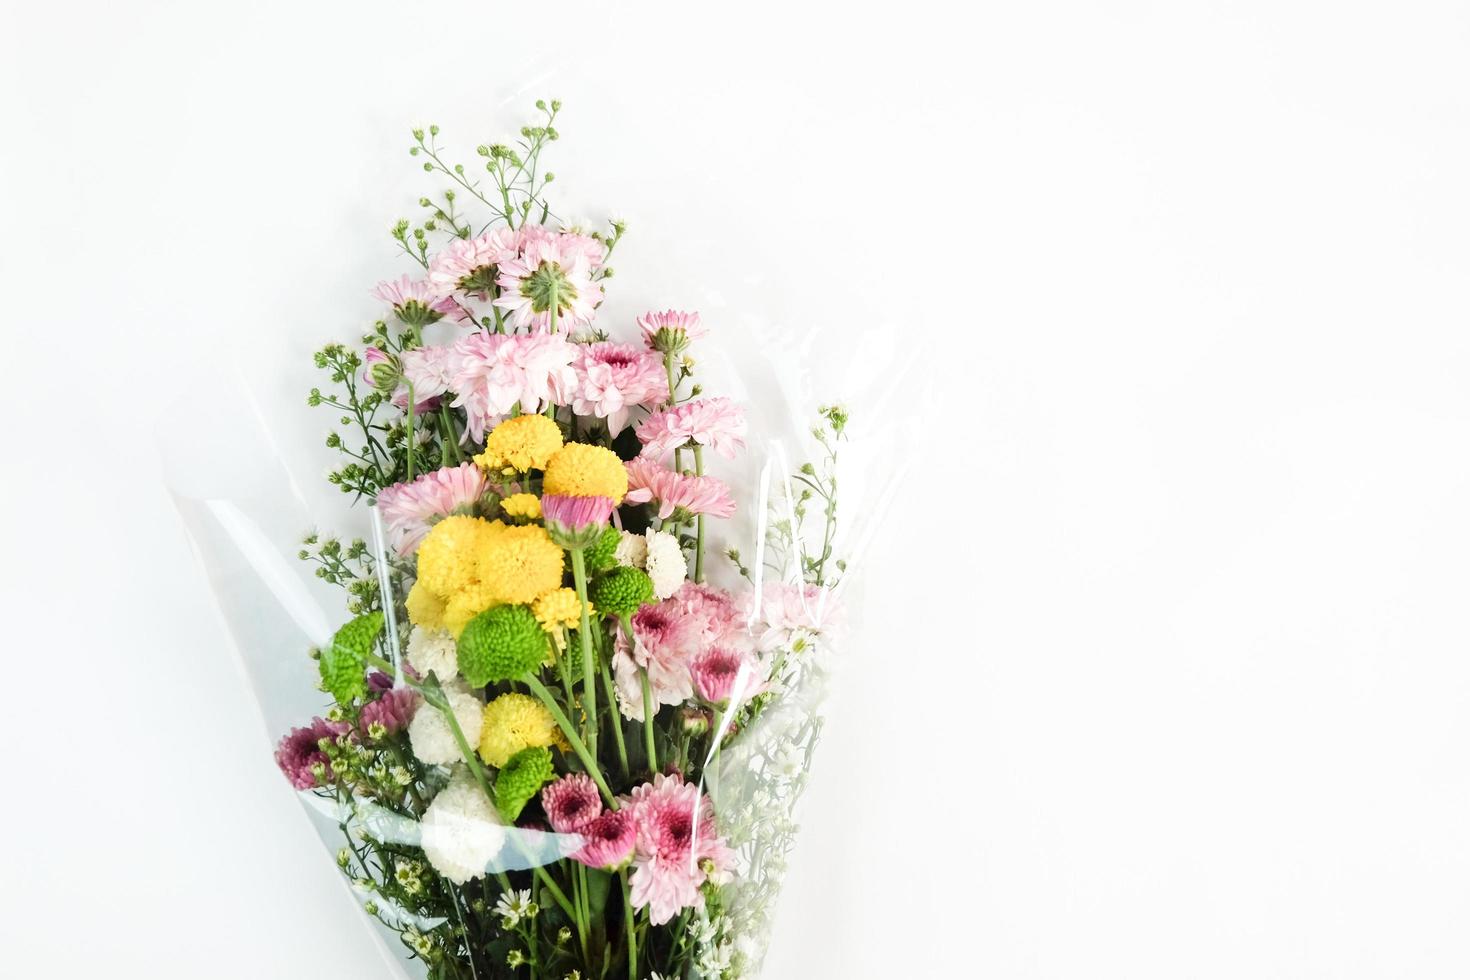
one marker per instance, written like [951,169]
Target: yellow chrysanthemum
[523,443]
[526,505]
[424,607]
[579,470]
[513,723]
[520,564]
[449,556]
[558,609]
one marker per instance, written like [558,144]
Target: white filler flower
[462,832]
[430,735]
[632,550]
[433,650]
[665,563]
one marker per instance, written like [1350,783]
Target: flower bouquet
[564,724]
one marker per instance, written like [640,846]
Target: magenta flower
[571,803]
[410,509]
[300,757]
[575,522]
[675,493]
[497,372]
[610,840]
[678,848]
[394,710]
[613,379]
[717,673]
[718,423]
[671,331]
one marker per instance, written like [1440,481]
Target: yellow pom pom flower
[514,722]
[424,607]
[526,442]
[520,564]
[465,604]
[449,555]
[558,610]
[579,470]
[522,505]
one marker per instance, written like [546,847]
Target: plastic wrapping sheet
[790,576]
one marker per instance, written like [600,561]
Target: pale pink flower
[651,481]
[593,250]
[720,672]
[410,509]
[497,372]
[415,300]
[575,522]
[712,611]
[613,379]
[571,803]
[718,423]
[610,840]
[784,608]
[430,370]
[555,267]
[678,847]
[471,264]
[671,331]
[665,638]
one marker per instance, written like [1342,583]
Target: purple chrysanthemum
[300,755]
[394,710]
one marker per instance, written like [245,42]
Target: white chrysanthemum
[431,737]
[433,650]
[665,563]
[462,832]
[632,550]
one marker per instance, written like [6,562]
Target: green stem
[589,669]
[628,927]
[673,385]
[648,719]
[699,520]
[589,761]
[617,720]
[410,432]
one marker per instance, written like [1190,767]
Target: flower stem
[589,670]
[589,761]
[628,927]
[410,431]
[648,719]
[699,520]
[617,721]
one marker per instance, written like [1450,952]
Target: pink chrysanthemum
[496,372]
[613,379]
[651,481]
[717,674]
[665,639]
[429,370]
[415,301]
[611,839]
[550,271]
[394,710]
[575,522]
[300,757]
[571,803]
[718,423]
[679,847]
[711,611]
[472,264]
[409,509]
[671,331]
[784,608]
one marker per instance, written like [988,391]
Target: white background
[1166,670]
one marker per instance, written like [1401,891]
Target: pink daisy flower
[671,331]
[784,608]
[718,423]
[571,803]
[575,522]
[651,481]
[717,674]
[300,757]
[415,301]
[611,839]
[394,710]
[550,269]
[410,509]
[472,264]
[712,612]
[430,370]
[497,372]
[613,379]
[664,640]
[678,847]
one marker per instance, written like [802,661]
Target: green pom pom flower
[621,591]
[500,644]
[341,662]
[602,553]
[521,779]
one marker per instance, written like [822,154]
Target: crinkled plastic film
[246,513]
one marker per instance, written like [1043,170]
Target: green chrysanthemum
[602,553]
[520,779]
[341,662]
[621,591]
[500,644]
